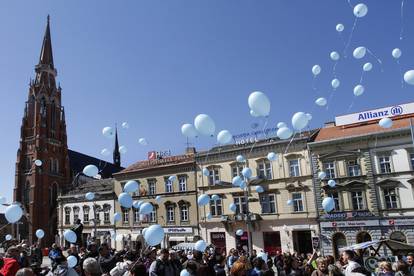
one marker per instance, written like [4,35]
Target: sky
[157,64]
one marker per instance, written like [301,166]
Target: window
[67,215]
[390,198]
[136,215]
[151,186]
[213,176]
[168,186]
[184,212]
[335,197]
[412,160]
[170,213]
[329,168]
[86,214]
[97,218]
[153,216]
[353,168]
[268,203]
[358,200]
[297,202]
[75,214]
[236,170]
[216,207]
[294,168]
[106,216]
[125,216]
[241,204]
[264,169]
[385,164]
[182,183]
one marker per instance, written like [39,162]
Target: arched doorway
[338,241]
[398,236]
[363,237]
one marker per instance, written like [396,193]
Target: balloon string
[314,83]
[401,73]
[334,68]
[378,60]
[349,3]
[255,140]
[402,20]
[350,36]
[362,77]
[330,98]
[351,105]
[290,142]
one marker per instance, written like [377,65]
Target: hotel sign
[253,136]
[365,116]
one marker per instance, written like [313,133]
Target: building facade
[373,171]
[278,225]
[97,215]
[176,207]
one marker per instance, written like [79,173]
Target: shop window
[338,241]
[363,237]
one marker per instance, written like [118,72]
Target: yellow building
[277,224]
[175,206]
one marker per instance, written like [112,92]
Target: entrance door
[272,242]
[302,241]
[218,239]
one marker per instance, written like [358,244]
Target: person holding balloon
[54,254]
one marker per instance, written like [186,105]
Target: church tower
[43,137]
[117,154]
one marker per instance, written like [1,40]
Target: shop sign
[154,155]
[353,223]
[218,236]
[348,215]
[397,222]
[178,230]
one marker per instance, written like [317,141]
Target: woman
[322,267]
[220,266]
[238,269]
[385,269]
[402,269]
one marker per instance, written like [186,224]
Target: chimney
[190,150]
[329,124]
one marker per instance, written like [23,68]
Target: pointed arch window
[43,107]
[53,115]
[26,194]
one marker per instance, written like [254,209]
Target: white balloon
[72,261]
[409,77]
[3,200]
[13,213]
[396,53]
[142,141]
[70,236]
[284,133]
[203,200]
[316,70]
[189,131]
[321,101]
[335,56]
[289,202]
[281,124]
[254,114]
[131,186]
[146,208]
[90,170]
[359,52]
[271,156]
[119,237]
[240,158]
[206,172]
[263,256]
[236,181]
[243,185]
[184,272]
[200,246]
[89,196]
[154,235]
[38,163]
[259,103]
[247,172]
[123,149]
[40,233]
[299,120]
[172,178]
[309,116]
[359,90]
[233,207]
[117,217]
[105,152]
[321,175]
[8,237]
[340,27]
[204,124]
[108,132]
[328,204]
[125,125]
[224,137]
[259,189]
[125,200]
[385,123]
[209,216]
[215,197]
[331,183]
[360,10]
[367,67]
[335,83]
[239,232]
[137,203]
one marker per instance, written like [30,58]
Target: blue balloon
[243,185]
[200,246]
[233,207]
[240,158]
[259,189]
[154,235]
[8,237]
[90,170]
[239,232]
[184,272]
[289,202]
[331,183]
[117,217]
[215,197]
[40,233]
[206,172]
[158,199]
[146,208]
[13,213]
[72,261]
[90,196]
[209,216]
[328,204]
[137,203]
[131,186]
[125,200]
[172,178]
[236,180]
[70,236]
[204,199]
[247,173]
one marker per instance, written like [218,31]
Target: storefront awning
[176,238]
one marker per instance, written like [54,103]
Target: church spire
[117,155]
[46,54]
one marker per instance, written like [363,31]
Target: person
[220,267]
[78,229]
[150,255]
[253,256]
[91,267]
[175,262]
[122,267]
[25,272]
[385,269]
[106,261]
[162,265]
[11,264]
[238,269]
[348,258]
[61,268]
[54,254]
[257,270]
[402,269]
[322,269]
[138,269]
[37,256]
[410,263]
[269,271]
[233,257]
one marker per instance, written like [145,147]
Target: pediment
[353,183]
[340,154]
[389,182]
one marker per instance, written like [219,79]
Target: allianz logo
[391,111]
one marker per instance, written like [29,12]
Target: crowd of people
[23,260]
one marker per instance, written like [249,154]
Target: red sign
[152,155]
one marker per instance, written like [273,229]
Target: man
[106,260]
[78,229]
[349,259]
[91,267]
[37,256]
[11,265]
[162,266]
[410,262]
[25,272]
[54,254]
[73,251]
[175,262]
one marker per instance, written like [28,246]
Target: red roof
[371,127]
